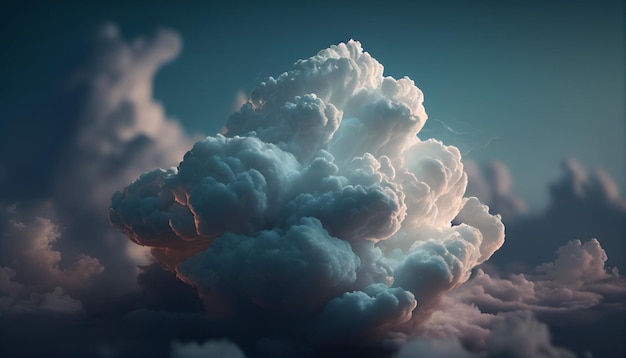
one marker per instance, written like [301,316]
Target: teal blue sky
[529,83]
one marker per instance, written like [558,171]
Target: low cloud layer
[577,279]
[512,315]
[222,349]
[513,335]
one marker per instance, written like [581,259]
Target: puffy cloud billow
[122,129]
[516,315]
[578,279]
[115,131]
[34,275]
[320,205]
[583,205]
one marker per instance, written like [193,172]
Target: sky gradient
[529,83]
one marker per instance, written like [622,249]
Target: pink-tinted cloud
[33,274]
[583,205]
[121,131]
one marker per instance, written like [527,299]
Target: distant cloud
[492,184]
[575,290]
[577,279]
[27,246]
[583,206]
[522,336]
[33,274]
[122,129]
[436,348]
[217,349]
[118,132]
[17,297]
[512,335]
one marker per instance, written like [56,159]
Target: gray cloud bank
[581,294]
[116,131]
[583,205]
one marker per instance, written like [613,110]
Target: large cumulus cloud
[318,203]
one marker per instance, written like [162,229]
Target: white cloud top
[320,197]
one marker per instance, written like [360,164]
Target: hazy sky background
[529,82]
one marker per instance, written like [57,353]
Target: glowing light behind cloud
[320,197]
